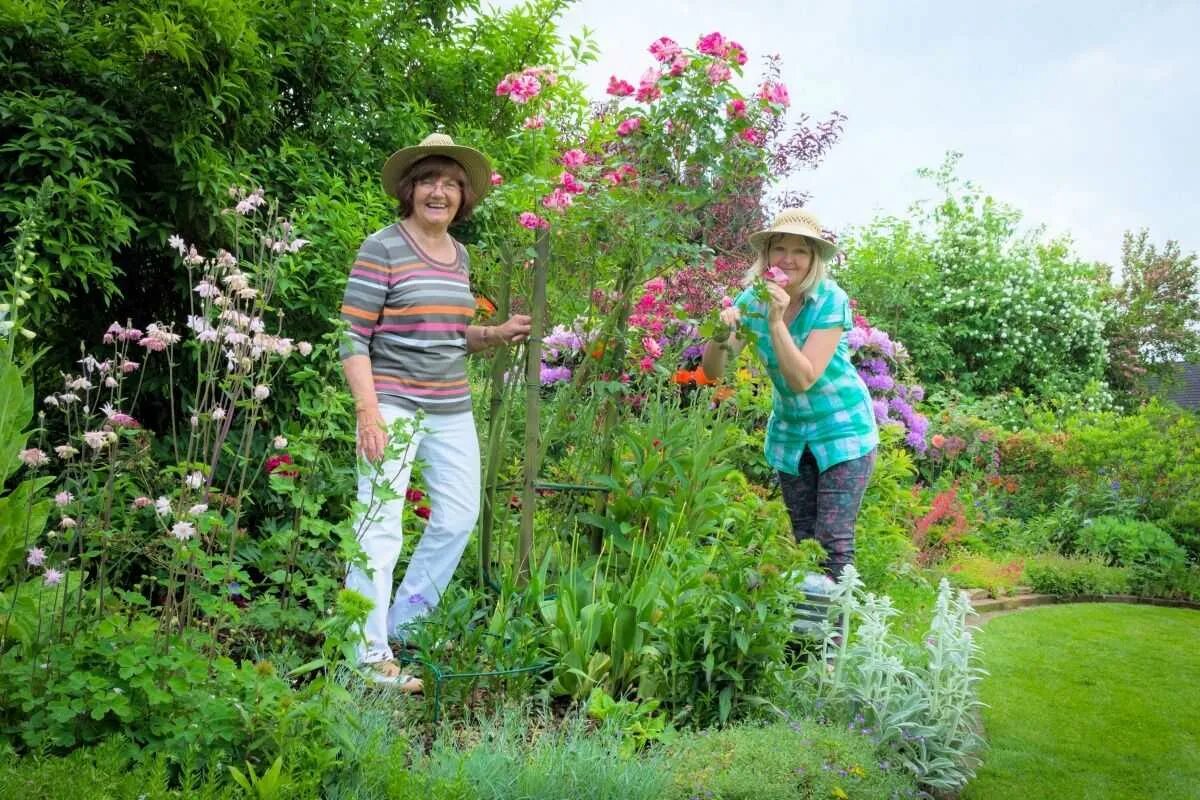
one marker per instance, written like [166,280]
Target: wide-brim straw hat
[801,223]
[473,162]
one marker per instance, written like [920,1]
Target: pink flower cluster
[629,125]
[521,87]
[648,90]
[774,93]
[619,88]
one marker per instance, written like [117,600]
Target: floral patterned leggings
[824,505]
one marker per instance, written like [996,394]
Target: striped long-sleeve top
[409,312]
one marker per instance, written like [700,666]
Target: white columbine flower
[261,392]
[195,479]
[280,442]
[163,506]
[183,530]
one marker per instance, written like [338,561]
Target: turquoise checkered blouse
[834,417]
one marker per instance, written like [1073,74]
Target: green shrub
[973,571]
[783,761]
[1130,543]
[1063,575]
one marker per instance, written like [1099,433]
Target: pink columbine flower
[775,93]
[183,531]
[570,183]
[536,122]
[777,276]
[128,366]
[628,126]
[574,158]
[52,577]
[118,418]
[35,557]
[680,64]
[532,221]
[113,333]
[736,108]
[95,439]
[712,44]
[718,72]
[497,179]
[619,88]
[131,334]
[141,502]
[558,200]
[612,177]
[753,136]
[664,49]
[63,499]
[33,457]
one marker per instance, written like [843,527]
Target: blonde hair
[816,272]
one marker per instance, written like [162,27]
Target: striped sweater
[409,313]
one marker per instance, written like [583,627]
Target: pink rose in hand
[777,276]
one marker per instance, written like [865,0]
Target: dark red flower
[275,464]
[422,511]
[413,495]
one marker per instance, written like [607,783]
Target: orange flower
[938,440]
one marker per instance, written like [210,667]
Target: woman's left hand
[515,329]
[779,302]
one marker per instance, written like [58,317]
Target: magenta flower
[619,88]
[648,90]
[718,72]
[558,200]
[712,45]
[735,53]
[680,63]
[736,108]
[753,136]
[628,126]
[570,183]
[652,347]
[35,557]
[532,221]
[524,88]
[574,158]
[775,93]
[777,276]
[52,577]
[497,179]
[726,301]
[664,49]
[504,86]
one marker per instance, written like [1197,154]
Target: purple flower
[901,407]
[856,338]
[875,365]
[52,577]
[552,375]
[916,440]
[881,410]
[879,383]
[878,338]
[693,351]
[418,600]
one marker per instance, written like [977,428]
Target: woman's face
[436,199]
[791,253]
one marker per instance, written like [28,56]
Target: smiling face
[435,193]
[791,253]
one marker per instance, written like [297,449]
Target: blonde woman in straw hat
[821,437]
[408,307]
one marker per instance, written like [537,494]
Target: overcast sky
[1084,114]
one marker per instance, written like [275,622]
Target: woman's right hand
[372,434]
[731,316]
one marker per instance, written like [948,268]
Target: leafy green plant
[1063,575]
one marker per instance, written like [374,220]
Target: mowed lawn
[1091,702]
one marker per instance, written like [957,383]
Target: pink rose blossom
[629,125]
[574,159]
[504,86]
[736,108]
[664,49]
[718,72]
[712,45]
[570,183]
[775,93]
[648,90]
[735,53]
[558,200]
[619,88]
[524,89]
[532,221]
[753,136]
[777,276]
[680,64]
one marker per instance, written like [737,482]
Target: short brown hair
[435,167]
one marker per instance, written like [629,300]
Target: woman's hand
[515,329]
[779,302]
[372,434]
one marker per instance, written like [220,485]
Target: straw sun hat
[473,162]
[801,223]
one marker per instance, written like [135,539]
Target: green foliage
[981,572]
[1128,543]
[783,761]
[978,304]
[882,543]
[1063,575]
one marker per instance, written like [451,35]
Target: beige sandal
[389,673]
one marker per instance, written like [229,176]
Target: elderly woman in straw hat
[821,437]
[408,307]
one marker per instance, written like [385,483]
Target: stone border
[987,607]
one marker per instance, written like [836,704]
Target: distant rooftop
[1184,390]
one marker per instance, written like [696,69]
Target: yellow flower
[839,793]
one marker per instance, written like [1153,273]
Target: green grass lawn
[1091,701]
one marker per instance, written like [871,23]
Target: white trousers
[448,446]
